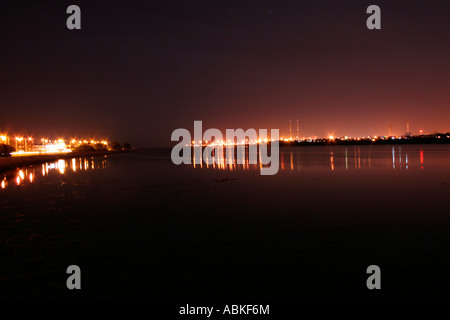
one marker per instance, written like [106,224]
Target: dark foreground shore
[7,164]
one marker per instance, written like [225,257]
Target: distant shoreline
[439,140]
[11,163]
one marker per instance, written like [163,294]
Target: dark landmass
[437,138]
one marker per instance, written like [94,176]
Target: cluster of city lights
[332,138]
[225,143]
[29,145]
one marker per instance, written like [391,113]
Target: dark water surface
[141,227]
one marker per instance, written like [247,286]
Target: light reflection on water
[327,159]
[332,158]
[32,174]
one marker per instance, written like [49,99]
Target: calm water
[138,215]
[293,160]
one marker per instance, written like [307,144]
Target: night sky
[137,70]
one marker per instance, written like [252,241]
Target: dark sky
[140,69]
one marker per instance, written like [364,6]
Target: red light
[421,159]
